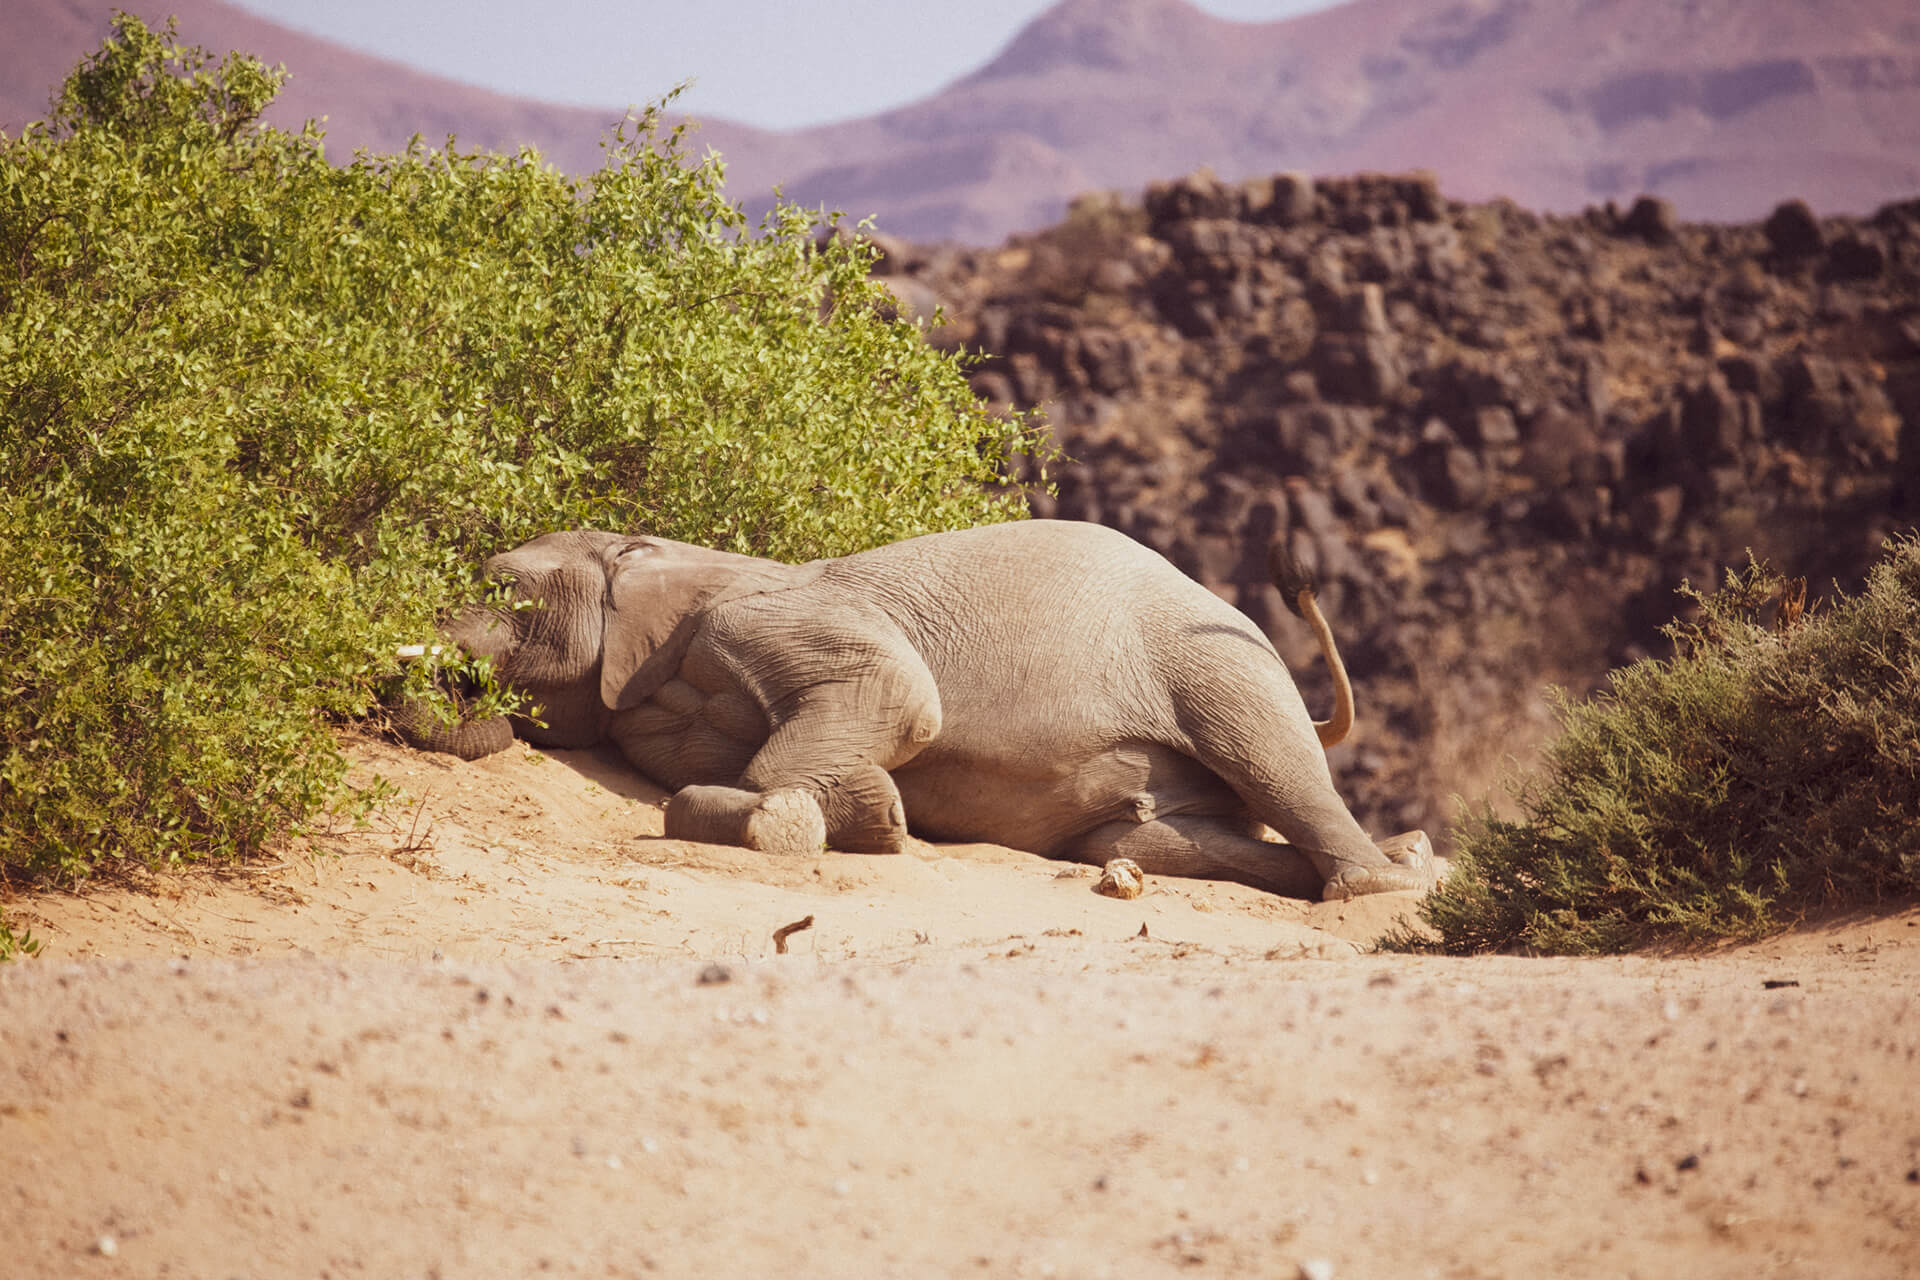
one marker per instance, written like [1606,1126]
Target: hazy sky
[779,64]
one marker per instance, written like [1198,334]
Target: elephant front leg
[861,813]
[787,821]
[864,812]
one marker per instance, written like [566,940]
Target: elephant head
[597,622]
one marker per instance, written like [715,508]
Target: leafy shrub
[260,415]
[1762,772]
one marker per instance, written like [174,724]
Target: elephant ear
[657,592]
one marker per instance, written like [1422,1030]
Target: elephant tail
[1296,587]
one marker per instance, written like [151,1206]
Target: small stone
[107,1247]
[1316,1269]
[714,974]
[1122,878]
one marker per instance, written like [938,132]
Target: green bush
[261,414]
[1763,772]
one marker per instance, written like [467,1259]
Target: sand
[506,1029]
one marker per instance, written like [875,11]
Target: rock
[1793,232]
[1363,311]
[1855,257]
[1493,427]
[1358,368]
[1185,303]
[1198,195]
[1293,200]
[1747,374]
[1656,513]
[1651,219]
[1421,192]
[1312,509]
[1574,512]
[1106,361]
[1557,438]
[1115,275]
[1305,438]
[1717,423]
[1353,499]
[895,256]
[913,299]
[1450,476]
[1218,247]
[1121,878]
[1589,316]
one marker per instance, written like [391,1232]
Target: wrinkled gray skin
[1048,685]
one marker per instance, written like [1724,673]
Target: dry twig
[785,931]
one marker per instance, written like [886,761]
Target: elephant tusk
[415,652]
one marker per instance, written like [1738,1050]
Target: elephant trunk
[420,728]
[481,632]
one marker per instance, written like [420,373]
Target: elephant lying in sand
[1048,685]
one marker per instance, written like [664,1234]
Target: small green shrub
[14,945]
[1762,772]
[260,416]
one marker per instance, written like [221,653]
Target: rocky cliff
[1504,439]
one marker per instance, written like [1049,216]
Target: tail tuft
[1292,578]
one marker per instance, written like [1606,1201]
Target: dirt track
[480,1044]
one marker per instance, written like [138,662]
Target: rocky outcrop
[1502,439]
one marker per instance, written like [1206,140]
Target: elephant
[1049,685]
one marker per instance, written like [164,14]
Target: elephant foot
[787,822]
[778,822]
[1410,866]
[864,813]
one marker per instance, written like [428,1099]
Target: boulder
[1793,232]
[1651,219]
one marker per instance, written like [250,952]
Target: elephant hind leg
[1204,847]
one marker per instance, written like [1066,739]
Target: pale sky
[779,64]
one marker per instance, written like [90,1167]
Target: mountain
[1724,107]
[366,101]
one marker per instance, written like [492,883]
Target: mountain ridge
[1722,107]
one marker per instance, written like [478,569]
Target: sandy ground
[506,1029]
